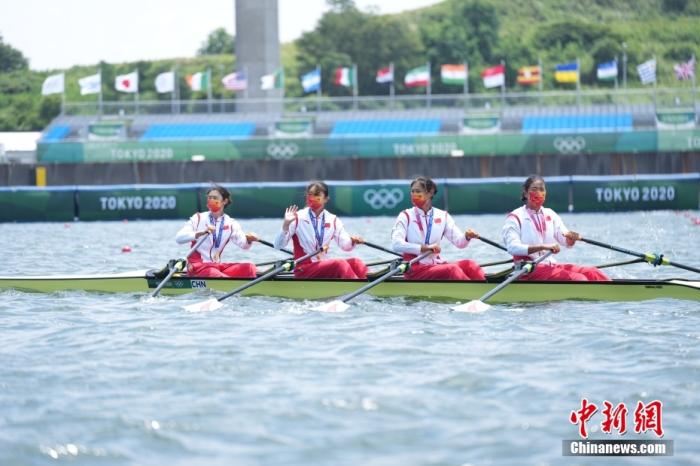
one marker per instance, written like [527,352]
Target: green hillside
[481,32]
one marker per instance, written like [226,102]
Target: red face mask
[314,202]
[418,200]
[536,198]
[214,205]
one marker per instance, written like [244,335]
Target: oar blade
[332,306]
[473,307]
[204,306]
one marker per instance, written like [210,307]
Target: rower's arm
[560,230]
[187,233]
[283,237]
[511,237]
[342,237]
[454,234]
[398,237]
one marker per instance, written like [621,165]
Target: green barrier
[406,146]
[37,205]
[501,196]
[376,199]
[606,195]
[136,203]
[261,201]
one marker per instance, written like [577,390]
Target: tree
[219,42]
[11,59]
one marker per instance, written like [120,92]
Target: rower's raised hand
[289,215]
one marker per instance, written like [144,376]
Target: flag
[417,77]
[90,84]
[607,71]
[165,82]
[494,76]
[685,70]
[566,73]
[385,75]
[311,81]
[528,75]
[237,81]
[198,81]
[647,71]
[127,82]
[54,84]
[453,74]
[343,77]
[274,80]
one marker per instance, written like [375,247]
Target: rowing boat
[143,281]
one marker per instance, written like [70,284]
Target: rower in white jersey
[314,227]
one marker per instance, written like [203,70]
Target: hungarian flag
[198,81]
[528,75]
[417,77]
[385,75]
[494,76]
[453,74]
[127,82]
[343,76]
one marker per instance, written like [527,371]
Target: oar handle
[526,268]
[493,243]
[175,269]
[399,268]
[381,248]
[286,267]
[653,259]
[269,244]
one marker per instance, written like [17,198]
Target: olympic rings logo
[383,198]
[569,145]
[282,150]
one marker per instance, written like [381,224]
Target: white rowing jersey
[226,230]
[414,228]
[525,227]
[309,232]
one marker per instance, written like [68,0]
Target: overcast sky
[62,33]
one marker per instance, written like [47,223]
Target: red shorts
[352,268]
[214,269]
[565,272]
[461,270]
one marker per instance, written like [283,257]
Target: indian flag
[343,76]
[417,77]
[198,81]
[453,74]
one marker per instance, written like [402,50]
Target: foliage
[219,42]
[11,59]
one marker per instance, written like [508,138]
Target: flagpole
[136,95]
[578,82]
[655,74]
[221,98]
[245,91]
[692,81]
[540,84]
[615,72]
[503,85]
[209,86]
[99,95]
[624,65]
[354,86]
[318,90]
[176,92]
[428,87]
[391,84]
[63,96]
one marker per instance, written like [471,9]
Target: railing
[676,97]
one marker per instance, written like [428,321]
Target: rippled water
[125,379]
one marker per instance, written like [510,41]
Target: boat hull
[288,287]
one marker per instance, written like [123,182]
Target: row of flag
[450,74]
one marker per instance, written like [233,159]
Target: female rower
[222,229]
[421,229]
[313,227]
[532,229]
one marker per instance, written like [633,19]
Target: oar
[267,243]
[175,266]
[653,259]
[339,305]
[381,248]
[492,243]
[480,306]
[215,303]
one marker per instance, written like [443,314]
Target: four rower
[222,229]
[313,227]
[529,232]
[421,228]
[532,229]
